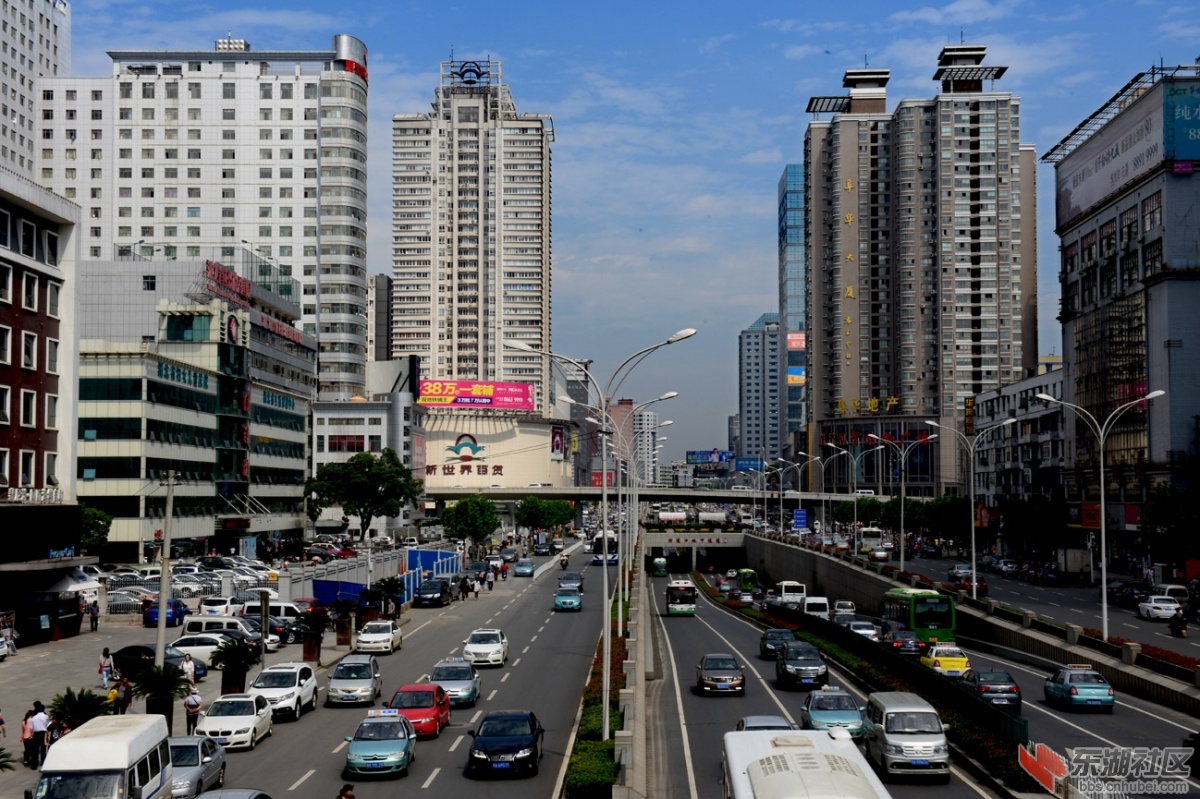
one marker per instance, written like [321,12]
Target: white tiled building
[35,41]
[178,154]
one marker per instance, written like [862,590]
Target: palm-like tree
[7,761]
[74,709]
[161,687]
[235,658]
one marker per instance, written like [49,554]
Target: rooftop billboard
[476,394]
[708,456]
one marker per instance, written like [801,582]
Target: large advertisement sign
[796,341]
[748,464]
[1183,115]
[709,456]
[558,443]
[612,479]
[1122,151]
[477,394]
[796,375]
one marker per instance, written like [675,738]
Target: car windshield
[995,676]
[802,653]
[836,702]
[431,588]
[949,652]
[1088,677]
[524,562]
[172,652]
[912,723]
[568,593]
[378,628]
[779,634]
[484,638]
[379,731]
[275,679]
[91,785]
[185,755]
[231,708]
[571,577]
[720,663]
[449,673]
[352,671]
[494,728]
[413,699]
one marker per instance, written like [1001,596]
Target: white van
[110,756]
[284,610]
[903,734]
[817,606]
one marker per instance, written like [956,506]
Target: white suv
[289,687]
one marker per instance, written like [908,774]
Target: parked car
[131,659]
[198,763]
[958,570]
[506,741]
[221,606]
[434,592]
[176,611]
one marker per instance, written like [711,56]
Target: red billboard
[796,341]
[612,479]
[477,394]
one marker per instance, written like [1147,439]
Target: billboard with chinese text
[709,456]
[477,394]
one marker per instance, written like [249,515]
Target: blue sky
[673,124]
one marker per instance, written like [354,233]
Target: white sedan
[380,636]
[486,647]
[237,720]
[1157,607]
[864,628]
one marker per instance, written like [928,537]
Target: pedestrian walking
[192,705]
[347,792]
[491,580]
[475,587]
[40,725]
[391,609]
[464,588]
[124,696]
[189,668]
[3,729]
[27,738]
[106,668]
[94,614]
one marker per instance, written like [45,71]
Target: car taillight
[981,688]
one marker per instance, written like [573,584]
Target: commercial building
[793,308]
[759,375]
[386,417]
[196,368]
[471,232]
[1126,190]
[35,39]
[187,154]
[922,268]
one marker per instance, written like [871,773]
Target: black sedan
[506,742]
[904,642]
[130,660]
[771,641]
[995,686]
[433,592]
[542,549]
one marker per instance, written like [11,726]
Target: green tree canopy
[542,514]
[95,524]
[473,518]
[367,486]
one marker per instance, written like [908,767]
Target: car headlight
[288,695]
[526,752]
[353,756]
[396,755]
[479,753]
[822,670]
[791,669]
[817,725]
[941,749]
[892,749]
[242,731]
[181,785]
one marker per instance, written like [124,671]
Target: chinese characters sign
[477,394]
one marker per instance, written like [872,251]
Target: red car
[426,705]
[964,583]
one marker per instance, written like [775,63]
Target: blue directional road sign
[799,518]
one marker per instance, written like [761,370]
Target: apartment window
[193,154]
[172,90]
[28,413]
[285,91]
[264,154]
[227,213]
[47,94]
[193,134]
[149,282]
[285,134]
[148,191]
[264,231]
[48,114]
[265,134]
[170,173]
[97,135]
[124,211]
[6,345]
[147,212]
[285,231]
[228,135]
[171,153]
[265,114]
[1152,213]
[228,154]
[47,133]
[29,292]
[125,153]
[264,192]
[194,232]
[27,474]
[125,91]
[193,114]
[193,91]
[228,114]
[285,173]
[51,418]
[147,114]
[95,232]
[147,91]
[310,91]
[125,173]
[194,210]
[227,233]
[29,348]
[264,173]
[5,410]
[193,173]
[125,231]
[286,212]
[52,356]
[193,191]
[125,113]
[170,232]
[147,233]
[228,174]
[53,299]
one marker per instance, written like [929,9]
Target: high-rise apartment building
[35,42]
[379,318]
[921,261]
[759,358]
[793,311]
[183,154]
[471,232]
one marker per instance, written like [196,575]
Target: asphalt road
[1134,723]
[549,656]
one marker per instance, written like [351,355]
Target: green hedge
[591,772]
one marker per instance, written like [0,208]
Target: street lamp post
[1102,431]
[614,382]
[902,452]
[824,491]
[971,444]
[781,472]
[854,461]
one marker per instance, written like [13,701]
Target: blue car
[176,611]
[829,708]
[1079,685]
[524,568]
[384,743]
[568,599]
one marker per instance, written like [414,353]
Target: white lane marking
[507,674]
[298,782]
[541,628]
[683,731]
[432,774]
[457,741]
[478,713]
[534,638]
[488,622]
[491,696]
[1054,604]
[423,626]
[339,747]
[515,662]
[525,650]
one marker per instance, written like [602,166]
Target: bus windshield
[90,785]
[681,595]
[931,612]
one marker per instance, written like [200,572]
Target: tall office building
[186,154]
[922,264]
[759,361]
[793,311]
[471,232]
[35,42]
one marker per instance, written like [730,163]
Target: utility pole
[164,579]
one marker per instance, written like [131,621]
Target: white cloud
[714,43]
[958,12]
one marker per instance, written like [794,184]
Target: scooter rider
[562,561]
[1178,624]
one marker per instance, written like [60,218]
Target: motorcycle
[1178,626]
[562,562]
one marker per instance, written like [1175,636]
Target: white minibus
[768,764]
[109,757]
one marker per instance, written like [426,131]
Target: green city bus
[747,579]
[929,614]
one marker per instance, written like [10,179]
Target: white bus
[110,757]
[769,764]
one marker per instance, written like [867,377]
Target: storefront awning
[73,581]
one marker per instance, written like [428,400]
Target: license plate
[953,673]
[221,740]
[806,679]
[920,762]
[376,765]
[722,687]
[1000,701]
[501,765]
[1093,701]
[349,698]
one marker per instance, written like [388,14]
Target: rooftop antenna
[866,63]
[962,36]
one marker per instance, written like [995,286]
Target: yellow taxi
[949,661]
